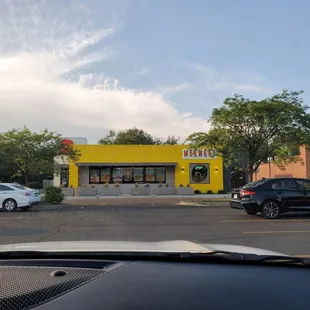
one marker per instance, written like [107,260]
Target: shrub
[167,185]
[181,185]
[136,184]
[160,184]
[147,185]
[93,186]
[116,184]
[84,185]
[106,184]
[221,191]
[209,191]
[53,195]
[188,185]
[197,191]
[35,185]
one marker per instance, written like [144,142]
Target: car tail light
[247,193]
[26,194]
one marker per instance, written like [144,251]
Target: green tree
[32,154]
[247,132]
[171,140]
[135,136]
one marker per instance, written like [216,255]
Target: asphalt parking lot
[157,222]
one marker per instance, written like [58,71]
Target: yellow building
[129,164]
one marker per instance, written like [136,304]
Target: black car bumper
[245,206]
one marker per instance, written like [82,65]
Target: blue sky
[158,65]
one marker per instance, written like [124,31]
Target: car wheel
[251,212]
[270,209]
[10,205]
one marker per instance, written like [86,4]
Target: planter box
[68,191]
[86,191]
[165,190]
[141,191]
[110,191]
[185,191]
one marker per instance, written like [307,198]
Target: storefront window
[94,175]
[118,175]
[128,175]
[161,174]
[138,174]
[105,174]
[150,174]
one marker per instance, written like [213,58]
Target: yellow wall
[148,153]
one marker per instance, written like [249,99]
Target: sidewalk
[136,200]
[199,197]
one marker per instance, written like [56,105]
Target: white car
[14,195]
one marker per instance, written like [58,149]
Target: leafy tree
[247,132]
[31,154]
[134,136]
[172,140]
[109,138]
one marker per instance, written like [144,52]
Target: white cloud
[40,54]
[247,82]
[174,88]
[143,71]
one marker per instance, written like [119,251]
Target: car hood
[126,246]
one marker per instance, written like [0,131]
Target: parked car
[272,196]
[13,196]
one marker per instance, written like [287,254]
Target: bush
[221,191]
[35,185]
[209,191]
[197,191]
[53,195]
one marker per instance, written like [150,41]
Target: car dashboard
[120,284]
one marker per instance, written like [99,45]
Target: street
[157,222]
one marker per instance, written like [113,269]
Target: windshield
[155,121]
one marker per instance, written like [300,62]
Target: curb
[197,204]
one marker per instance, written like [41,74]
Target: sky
[83,67]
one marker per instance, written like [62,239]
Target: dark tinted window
[255,183]
[284,185]
[303,184]
[5,188]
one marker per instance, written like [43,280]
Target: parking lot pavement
[148,222]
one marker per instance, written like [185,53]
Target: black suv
[272,196]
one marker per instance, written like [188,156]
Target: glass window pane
[118,175]
[150,174]
[94,175]
[303,185]
[105,174]
[138,174]
[161,174]
[128,175]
